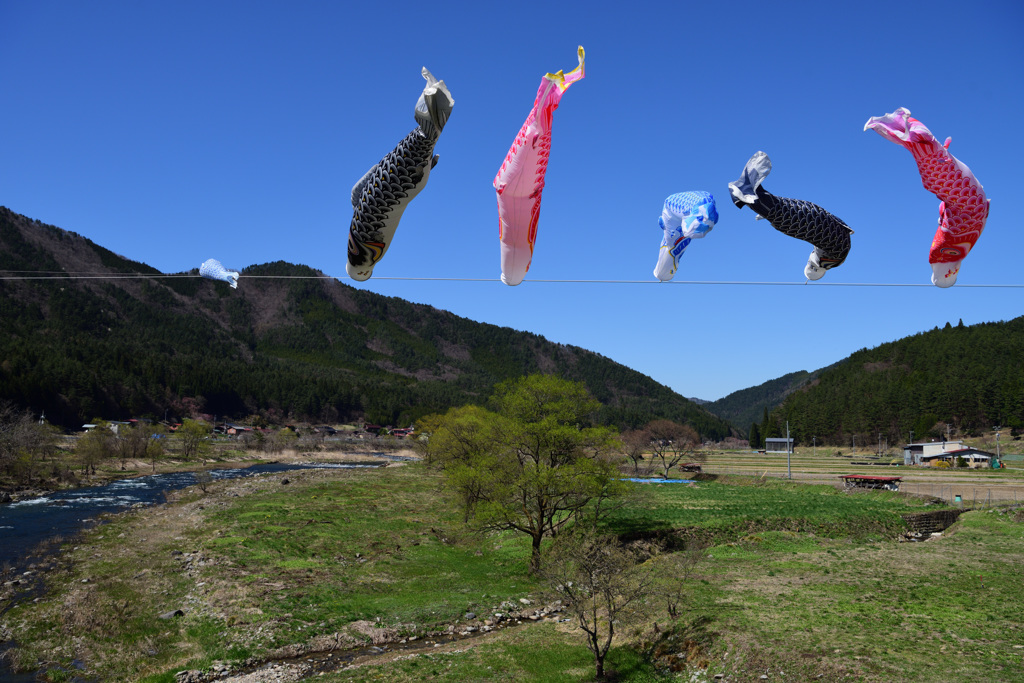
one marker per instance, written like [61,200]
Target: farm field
[799,582]
[975,486]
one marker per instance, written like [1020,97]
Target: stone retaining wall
[930,522]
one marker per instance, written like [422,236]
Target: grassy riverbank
[801,581]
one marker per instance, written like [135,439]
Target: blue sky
[176,132]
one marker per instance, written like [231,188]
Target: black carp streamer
[794,217]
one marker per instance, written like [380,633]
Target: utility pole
[789,452]
[814,445]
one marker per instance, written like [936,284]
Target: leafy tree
[155,446]
[602,585]
[193,437]
[533,464]
[463,442]
[672,443]
[426,427]
[93,447]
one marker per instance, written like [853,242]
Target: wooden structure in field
[864,481]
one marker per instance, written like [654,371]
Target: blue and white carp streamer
[686,216]
[213,270]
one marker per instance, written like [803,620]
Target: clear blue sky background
[176,132]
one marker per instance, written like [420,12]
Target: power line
[85,275]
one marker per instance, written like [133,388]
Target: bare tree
[675,570]
[23,442]
[603,586]
[672,443]
[203,479]
[135,443]
[635,442]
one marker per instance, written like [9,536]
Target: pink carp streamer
[964,208]
[520,180]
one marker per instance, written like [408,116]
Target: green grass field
[800,582]
[718,510]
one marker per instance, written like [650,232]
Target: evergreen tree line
[967,377]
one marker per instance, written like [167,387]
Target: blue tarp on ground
[660,481]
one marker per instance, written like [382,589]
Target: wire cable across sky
[54,275]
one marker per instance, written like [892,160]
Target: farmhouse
[915,453]
[972,456]
[935,452]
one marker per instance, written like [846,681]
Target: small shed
[778,445]
[864,481]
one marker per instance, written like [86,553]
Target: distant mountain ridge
[300,346]
[745,407]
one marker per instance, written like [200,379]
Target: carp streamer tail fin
[434,105]
[564,80]
[744,190]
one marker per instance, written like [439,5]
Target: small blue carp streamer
[213,270]
[686,216]
[794,217]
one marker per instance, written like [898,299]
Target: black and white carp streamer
[794,217]
[382,195]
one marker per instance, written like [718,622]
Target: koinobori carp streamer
[794,217]
[963,209]
[384,192]
[213,269]
[686,216]
[520,180]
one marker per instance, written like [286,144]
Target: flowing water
[26,525]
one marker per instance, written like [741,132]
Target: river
[26,524]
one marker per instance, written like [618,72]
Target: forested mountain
[310,349]
[971,378]
[745,407]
